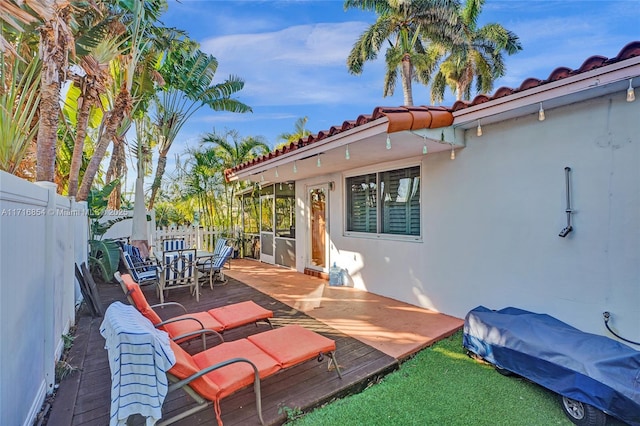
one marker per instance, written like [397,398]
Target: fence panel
[202,238]
[41,236]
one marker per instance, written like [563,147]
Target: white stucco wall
[491,218]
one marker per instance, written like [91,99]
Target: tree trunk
[406,80]
[155,187]
[82,122]
[54,45]
[116,170]
[121,107]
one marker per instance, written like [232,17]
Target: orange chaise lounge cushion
[223,381]
[270,351]
[218,319]
[292,344]
[176,328]
[185,367]
[139,300]
[237,314]
[238,375]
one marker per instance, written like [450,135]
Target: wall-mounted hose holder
[567,180]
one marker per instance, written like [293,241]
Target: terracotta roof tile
[400,118]
[411,118]
[627,52]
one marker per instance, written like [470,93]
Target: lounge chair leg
[333,360]
[265,320]
[256,390]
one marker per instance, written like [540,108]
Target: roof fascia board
[619,71]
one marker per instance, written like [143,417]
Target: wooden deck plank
[304,386]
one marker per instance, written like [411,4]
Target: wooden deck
[84,397]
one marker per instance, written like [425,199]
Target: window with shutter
[361,203]
[385,203]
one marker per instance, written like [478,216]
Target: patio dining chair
[172,244]
[220,244]
[211,267]
[178,269]
[144,272]
[189,326]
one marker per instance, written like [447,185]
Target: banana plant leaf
[104,258]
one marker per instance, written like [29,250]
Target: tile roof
[399,119]
[420,117]
[629,51]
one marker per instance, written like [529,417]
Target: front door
[318,228]
[267,242]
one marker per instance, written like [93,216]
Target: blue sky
[292,55]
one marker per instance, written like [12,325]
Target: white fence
[42,235]
[200,237]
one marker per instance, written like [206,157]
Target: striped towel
[139,357]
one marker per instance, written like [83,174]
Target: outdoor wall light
[541,116]
[318,163]
[277,175]
[295,167]
[479,129]
[346,153]
[631,95]
[453,153]
[388,141]
[424,147]
[261,176]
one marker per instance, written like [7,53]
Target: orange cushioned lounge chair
[193,325]
[224,369]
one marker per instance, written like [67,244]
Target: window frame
[378,170]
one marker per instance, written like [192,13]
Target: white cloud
[567,41]
[302,64]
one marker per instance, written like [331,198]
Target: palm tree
[56,41]
[92,83]
[139,20]
[19,99]
[406,26]
[188,74]
[299,133]
[478,57]
[203,180]
[230,154]
[15,17]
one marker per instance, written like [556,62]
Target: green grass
[441,385]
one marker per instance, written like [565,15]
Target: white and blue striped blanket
[139,357]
